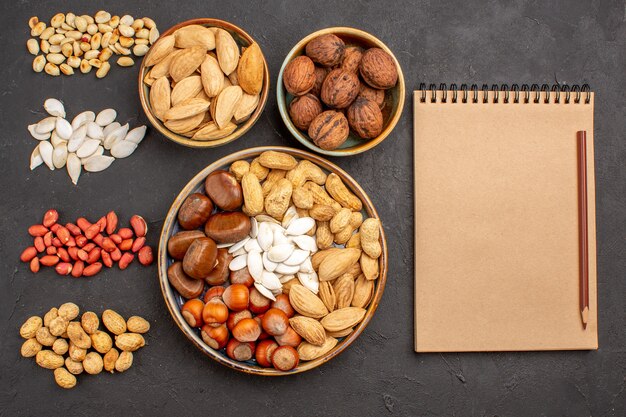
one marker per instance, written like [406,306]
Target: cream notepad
[496,220]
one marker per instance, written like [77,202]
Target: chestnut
[214,292]
[236,297]
[241,277]
[285,358]
[236,317]
[186,286]
[289,338]
[179,243]
[282,303]
[215,312]
[222,187]
[192,312]
[228,227]
[264,351]
[259,303]
[219,274]
[247,330]
[275,322]
[215,337]
[195,211]
[200,258]
[240,351]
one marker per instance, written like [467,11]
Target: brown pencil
[582,222]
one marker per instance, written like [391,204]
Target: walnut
[352,59]
[304,109]
[320,76]
[329,130]
[372,94]
[339,89]
[378,69]
[365,118]
[326,50]
[299,75]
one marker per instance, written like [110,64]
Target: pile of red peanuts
[82,248]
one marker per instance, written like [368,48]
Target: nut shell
[303,110]
[228,227]
[372,94]
[299,75]
[365,118]
[320,76]
[326,50]
[200,258]
[352,59]
[329,130]
[378,69]
[222,187]
[195,211]
[340,88]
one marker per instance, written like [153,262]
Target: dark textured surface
[464,41]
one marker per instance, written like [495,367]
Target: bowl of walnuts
[340,91]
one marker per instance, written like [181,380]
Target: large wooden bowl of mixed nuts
[204,83]
[272,260]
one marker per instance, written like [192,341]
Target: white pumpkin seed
[54,107]
[241,251]
[239,245]
[297,257]
[306,266]
[286,269]
[88,148]
[290,214]
[279,236]
[123,149]
[38,136]
[59,155]
[270,281]
[309,281]
[82,118]
[106,117]
[98,163]
[305,242]
[300,226]
[267,293]
[46,125]
[224,245]
[115,136]
[239,262]
[74,167]
[254,228]
[255,265]
[94,131]
[136,135]
[110,128]
[35,158]
[265,236]
[252,245]
[63,128]
[45,150]
[269,265]
[280,253]
[55,140]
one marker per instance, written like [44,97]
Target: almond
[224,106]
[186,62]
[344,290]
[250,70]
[227,51]
[211,131]
[163,68]
[318,257]
[187,108]
[246,107]
[306,303]
[343,318]
[195,35]
[369,266]
[363,292]
[160,50]
[212,76]
[334,266]
[327,295]
[308,351]
[185,125]
[187,88]
[160,97]
[310,329]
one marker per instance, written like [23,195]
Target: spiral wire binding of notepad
[528,94]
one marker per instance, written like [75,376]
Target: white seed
[38,136]
[136,135]
[265,236]
[238,245]
[35,158]
[289,215]
[267,264]
[280,253]
[254,228]
[94,130]
[252,245]
[140,50]
[82,118]
[59,155]
[264,218]
[241,251]
[306,266]
[63,128]
[74,167]
[55,140]
[106,117]
[286,269]
[46,125]
[279,236]
[300,226]
[110,128]
[88,148]
[267,293]
[115,136]
[54,107]
[309,281]
[239,262]
[224,245]
[255,265]
[270,281]
[285,278]
[297,257]
[305,242]
[33,46]
[98,163]
[123,149]
[45,150]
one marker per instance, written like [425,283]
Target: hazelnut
[326,50]
[378,69]
[299,75]
[340,88]
[329,130]
[304,109]
[365,118]
[372,94]
[320,76]
[352,59]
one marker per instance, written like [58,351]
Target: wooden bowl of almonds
[272,260]
[204,83]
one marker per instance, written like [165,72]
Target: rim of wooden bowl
[169,293]
[242,128]
[302,137]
